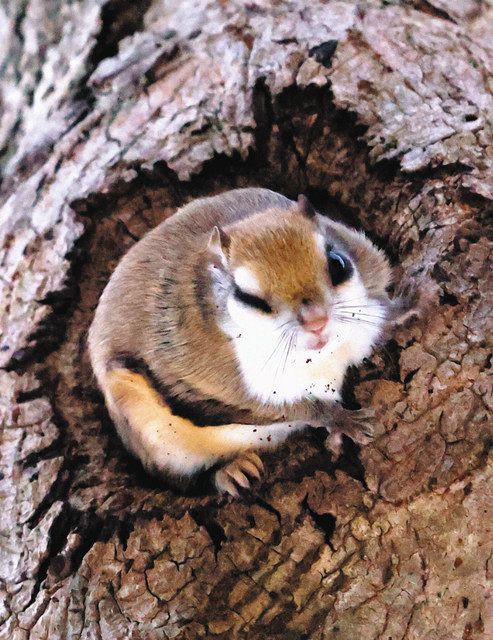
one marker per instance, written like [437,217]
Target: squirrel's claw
[237,473]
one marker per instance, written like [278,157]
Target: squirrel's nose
[314,319]
[316,326]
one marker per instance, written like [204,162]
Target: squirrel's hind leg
[174,447]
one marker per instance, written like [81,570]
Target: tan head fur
[279,248]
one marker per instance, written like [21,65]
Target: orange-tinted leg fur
[174,446]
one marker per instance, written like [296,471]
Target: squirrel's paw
[238,474]
[413,299]
[357,425]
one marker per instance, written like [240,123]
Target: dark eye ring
[340,267]
[252,301]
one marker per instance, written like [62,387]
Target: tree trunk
[114,113]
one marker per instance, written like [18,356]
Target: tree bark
[113,113]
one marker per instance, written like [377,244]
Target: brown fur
[278,247]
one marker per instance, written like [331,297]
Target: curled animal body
[230,326]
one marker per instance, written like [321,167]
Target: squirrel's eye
[252,301]
[340,267]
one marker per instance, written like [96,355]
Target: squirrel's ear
[218,246]
[305,207]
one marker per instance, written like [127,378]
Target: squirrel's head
[294,277]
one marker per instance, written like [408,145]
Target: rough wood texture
[112,114]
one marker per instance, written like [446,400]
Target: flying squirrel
[231,325]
